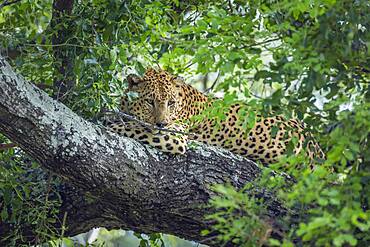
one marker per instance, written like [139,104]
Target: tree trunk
[61,26]
[136,187]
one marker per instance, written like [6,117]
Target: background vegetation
[308,59]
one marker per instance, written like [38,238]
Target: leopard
[167,102]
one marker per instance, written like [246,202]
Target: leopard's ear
[151,71]
[178,80]
[133,80]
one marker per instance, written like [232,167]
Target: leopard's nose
[161,124]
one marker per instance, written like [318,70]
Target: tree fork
[135,186]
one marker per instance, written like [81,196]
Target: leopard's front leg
[169,142]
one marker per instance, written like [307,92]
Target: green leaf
[341,239]
[148,20]
[4,214]
[274,242]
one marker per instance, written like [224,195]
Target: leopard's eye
[171,103]
[150,102]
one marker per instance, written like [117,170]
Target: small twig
[65,94]
[43,86]
[255,95]
[48,186]
[63,44]
[259,43]
[5,146]
[189,65]
[208,239]
[7,3]
[230,7]
[126,116]
[213,84]
[205,81]
[169,40]
[263,90]
[63,225]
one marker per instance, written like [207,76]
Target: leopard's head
[154,98]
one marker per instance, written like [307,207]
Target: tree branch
[134,186]
[7,3]
[210,89]
[63,55]
[4,146]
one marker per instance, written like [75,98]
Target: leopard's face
[156,97]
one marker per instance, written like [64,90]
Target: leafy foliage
[238,217]
[25,202]
[307,59]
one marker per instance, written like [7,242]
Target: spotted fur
[166,101]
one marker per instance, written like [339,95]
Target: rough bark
[136,187]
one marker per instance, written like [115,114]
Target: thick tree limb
[136,187]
